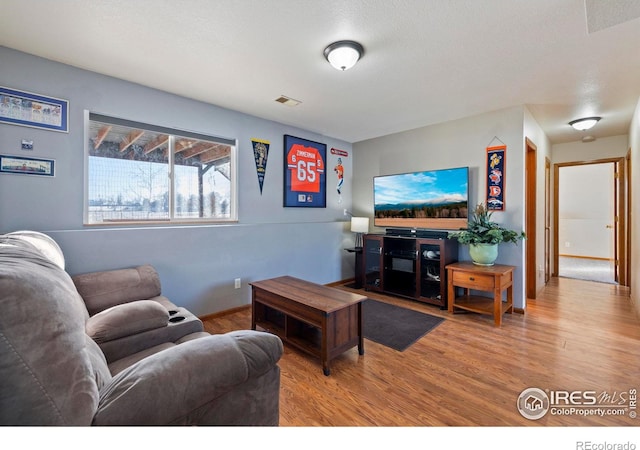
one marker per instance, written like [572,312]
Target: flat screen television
[431,199]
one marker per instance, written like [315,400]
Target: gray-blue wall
[456,143]
[197,264]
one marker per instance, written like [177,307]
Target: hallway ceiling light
[343,55]
[584,123]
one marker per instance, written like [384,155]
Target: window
[143,173]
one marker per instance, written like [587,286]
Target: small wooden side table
[494,279]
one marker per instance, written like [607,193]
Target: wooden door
[372,262]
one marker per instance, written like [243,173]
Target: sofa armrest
[102,290]
[126,320]
[229,379]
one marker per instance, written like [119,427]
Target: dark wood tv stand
[409,267]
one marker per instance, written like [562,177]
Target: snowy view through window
[129,176]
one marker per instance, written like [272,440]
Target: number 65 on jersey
[304,173]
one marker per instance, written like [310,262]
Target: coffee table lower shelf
[321,321]
[324,344]
[301,335]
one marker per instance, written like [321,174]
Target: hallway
[598,270]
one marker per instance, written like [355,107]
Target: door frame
[628,184]
[620,215]
[547,220]
[531,173]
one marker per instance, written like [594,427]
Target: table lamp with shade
[359,225]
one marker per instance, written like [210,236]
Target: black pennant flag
[260,154]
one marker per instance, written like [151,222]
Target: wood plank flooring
[578,335]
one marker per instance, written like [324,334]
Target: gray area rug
[394,326]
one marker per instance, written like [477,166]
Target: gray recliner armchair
[129,318]
[104,350]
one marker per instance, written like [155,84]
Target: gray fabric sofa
[108,349]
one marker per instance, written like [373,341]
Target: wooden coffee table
[320,320]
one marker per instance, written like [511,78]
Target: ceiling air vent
[288,101]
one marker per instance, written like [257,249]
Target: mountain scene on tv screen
[441,194]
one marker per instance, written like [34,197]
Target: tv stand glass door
[400,258]
[408,267]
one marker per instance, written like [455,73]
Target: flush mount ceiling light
[584,123]
[343,55]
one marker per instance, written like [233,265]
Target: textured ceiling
[426,61]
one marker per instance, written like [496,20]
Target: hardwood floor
[577,336]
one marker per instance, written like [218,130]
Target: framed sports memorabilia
[33,110]
[27,166]
[305,183]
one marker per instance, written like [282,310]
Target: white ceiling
[425,62]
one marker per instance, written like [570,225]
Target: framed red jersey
[304,173]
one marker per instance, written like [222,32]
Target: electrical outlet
[344,211]
[237,283]
[567,244]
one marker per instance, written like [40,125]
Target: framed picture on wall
[305,182]
[27,166]
[33,110]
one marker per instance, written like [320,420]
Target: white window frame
[172,132]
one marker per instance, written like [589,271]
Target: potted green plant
[483,236]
